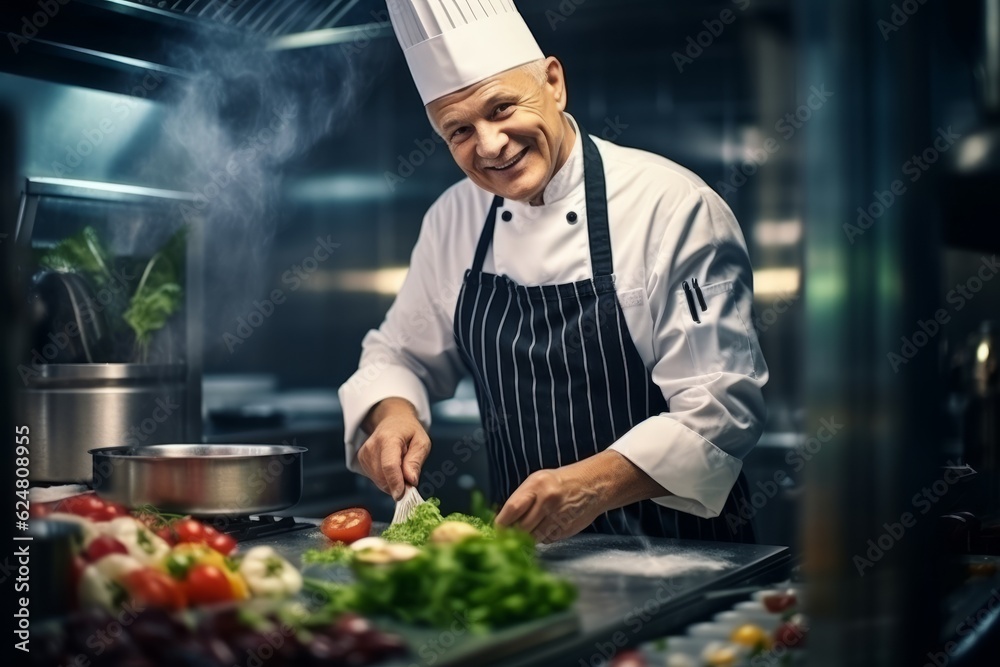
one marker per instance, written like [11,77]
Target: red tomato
[167,534]
[41,510]
[189,530]
[792,633]
[347,525]
[86,505]
[207,584]
[152,588]
[102,546]
[222,543]
[109,511]
[779,602]
[629,659]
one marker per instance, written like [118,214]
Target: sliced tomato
[152,588]
[207,584]
[347,525]
[102,546]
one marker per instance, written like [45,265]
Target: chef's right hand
[397,447]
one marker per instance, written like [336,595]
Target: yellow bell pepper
[186,555]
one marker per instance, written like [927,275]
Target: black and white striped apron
[558,377]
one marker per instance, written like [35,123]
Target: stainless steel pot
[73,408]
[203,480]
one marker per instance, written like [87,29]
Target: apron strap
[486,238]
[597,208]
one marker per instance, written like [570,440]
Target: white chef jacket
[666,226]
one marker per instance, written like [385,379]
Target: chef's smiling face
[508,133]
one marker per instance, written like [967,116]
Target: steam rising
[244,114]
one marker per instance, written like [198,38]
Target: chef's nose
[491,143]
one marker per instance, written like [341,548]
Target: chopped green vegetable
[425,518]
[483,582]
[338,554]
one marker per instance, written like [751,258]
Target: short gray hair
[538,70]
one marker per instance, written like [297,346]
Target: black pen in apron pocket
[701,297]
[690,299]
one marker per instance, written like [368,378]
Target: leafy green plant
[82,253]
[157,296]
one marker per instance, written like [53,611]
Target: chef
[599,296]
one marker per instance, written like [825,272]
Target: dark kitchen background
[855,141]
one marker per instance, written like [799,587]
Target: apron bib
[558,377]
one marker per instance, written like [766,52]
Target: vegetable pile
[485,582]
[425,518]
[164,561]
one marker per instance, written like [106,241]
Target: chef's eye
[502,110]
[459,134]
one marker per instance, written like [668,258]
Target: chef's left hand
[553,504]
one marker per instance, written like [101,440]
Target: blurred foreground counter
[631,591]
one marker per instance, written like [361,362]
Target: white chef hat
[451,44]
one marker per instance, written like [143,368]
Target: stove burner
[250,528]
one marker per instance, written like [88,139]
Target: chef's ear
[555,80]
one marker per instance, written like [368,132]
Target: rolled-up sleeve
[710,372]
[412,355]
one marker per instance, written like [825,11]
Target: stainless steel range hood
[107,44]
